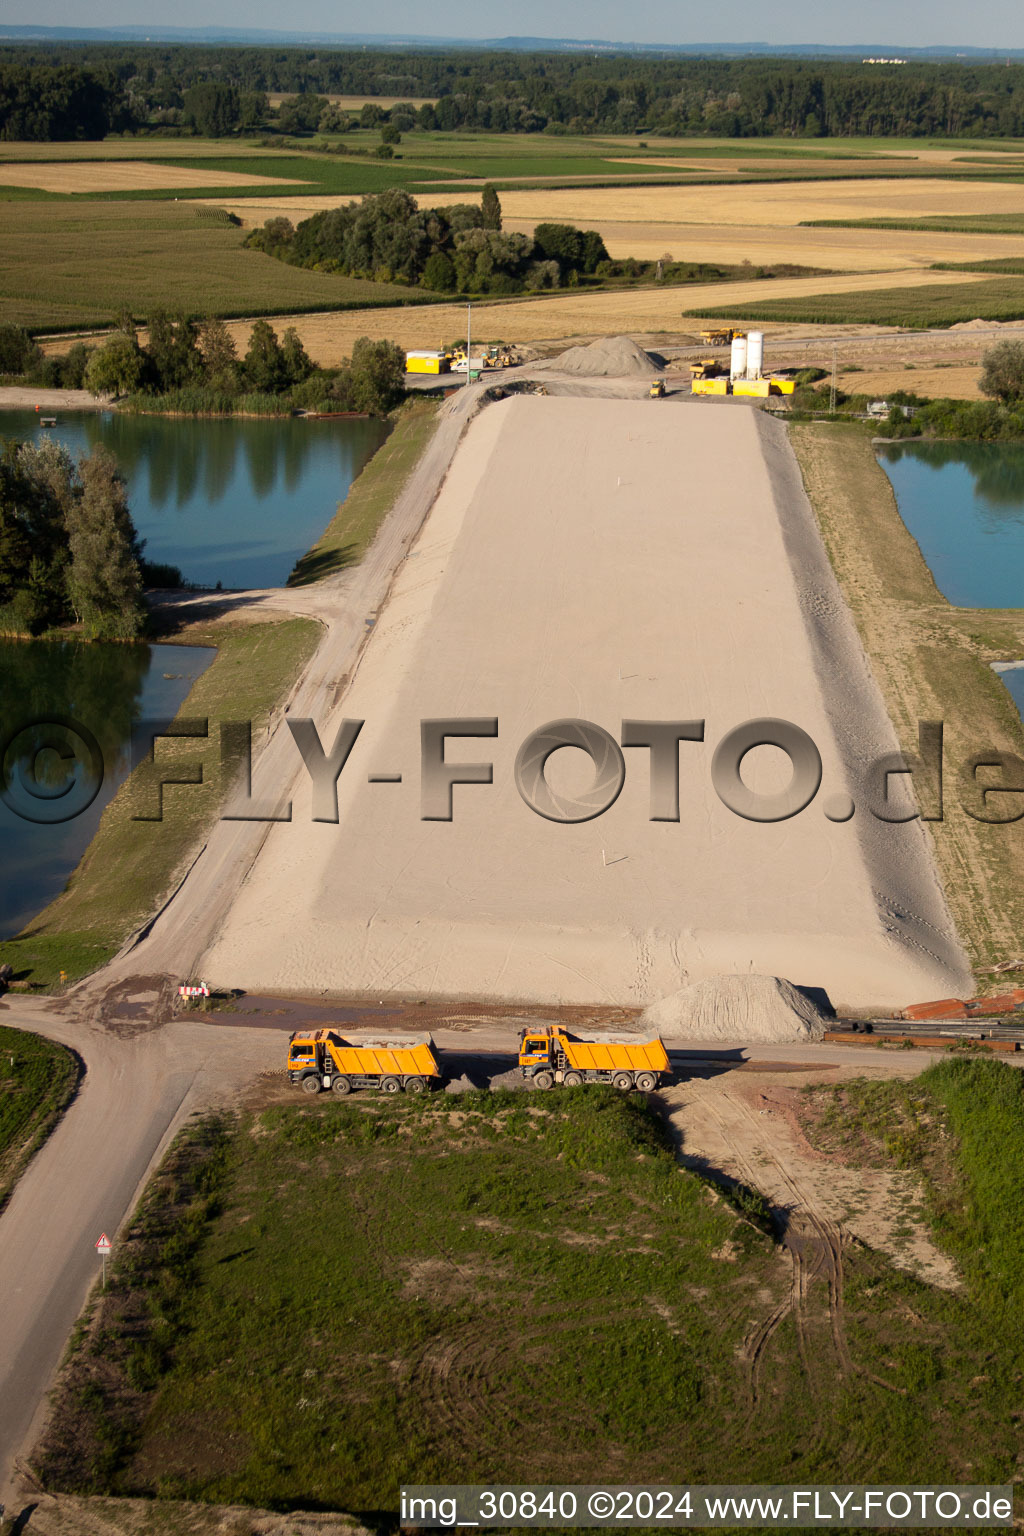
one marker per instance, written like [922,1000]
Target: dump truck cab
[552,1055]
[657,390]
[323,1059]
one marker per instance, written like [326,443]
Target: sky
[916,23]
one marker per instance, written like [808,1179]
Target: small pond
[50,772]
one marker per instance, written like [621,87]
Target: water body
[227,500]
[964,504]
[71,771]
[1013,677]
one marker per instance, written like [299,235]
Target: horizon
[911,26]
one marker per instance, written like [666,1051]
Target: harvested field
[354,103]
[841,250]
[328,337]
[784,204]
[126,176]
[132,148]
[935,383]
[565,518]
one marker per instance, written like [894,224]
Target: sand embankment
[602,560]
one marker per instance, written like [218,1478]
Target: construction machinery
[657,390]
[552,1055]
[720,338]
[744,375]
[322,1059]
[501,355]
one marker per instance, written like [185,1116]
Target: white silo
[755,354]
[738,358]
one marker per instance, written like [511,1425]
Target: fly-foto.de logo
[51,771]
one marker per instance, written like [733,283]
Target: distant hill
[263,38]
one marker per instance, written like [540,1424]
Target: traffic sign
[104,1245]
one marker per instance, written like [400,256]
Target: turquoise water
[101,690]
[964,504]
[227,500]
[1013,677]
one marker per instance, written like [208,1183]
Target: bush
[18,352]
[1002,371]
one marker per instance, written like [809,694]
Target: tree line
[71,90]
[461,248]
[194,366]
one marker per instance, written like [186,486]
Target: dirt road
[87,1177]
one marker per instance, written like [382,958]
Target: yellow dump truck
[657,390]
[323,1059]
[719,338]
[552,1055]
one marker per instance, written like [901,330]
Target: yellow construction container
[552,1055]
[427,362]
[323,1059]
[710,386]
[759,389]
[782,386]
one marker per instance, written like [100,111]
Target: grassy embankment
[37,1080]
[131,866]
[931,661]
[959,1127]
[350,532]
[425,1287]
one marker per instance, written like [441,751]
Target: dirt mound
[613,357]
[975,325]
[747,1008]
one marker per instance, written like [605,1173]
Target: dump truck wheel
[415,1085]
[311,1085]
[341,1085]
[390,1085]
[572,1080]
[646,1082]
[543,1080]
[622,1080]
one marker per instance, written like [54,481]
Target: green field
[1007,265]
[130,865]
[37,1080]
[66,265]
[954,224]
[427,1287]
[995,299]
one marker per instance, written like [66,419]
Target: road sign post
[103,1247]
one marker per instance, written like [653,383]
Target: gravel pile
[736,1008]
[613,357]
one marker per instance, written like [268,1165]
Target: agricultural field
[37,1081]
[908,304]
[372,1260]
[649,311]
[67,265]
[815,204]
